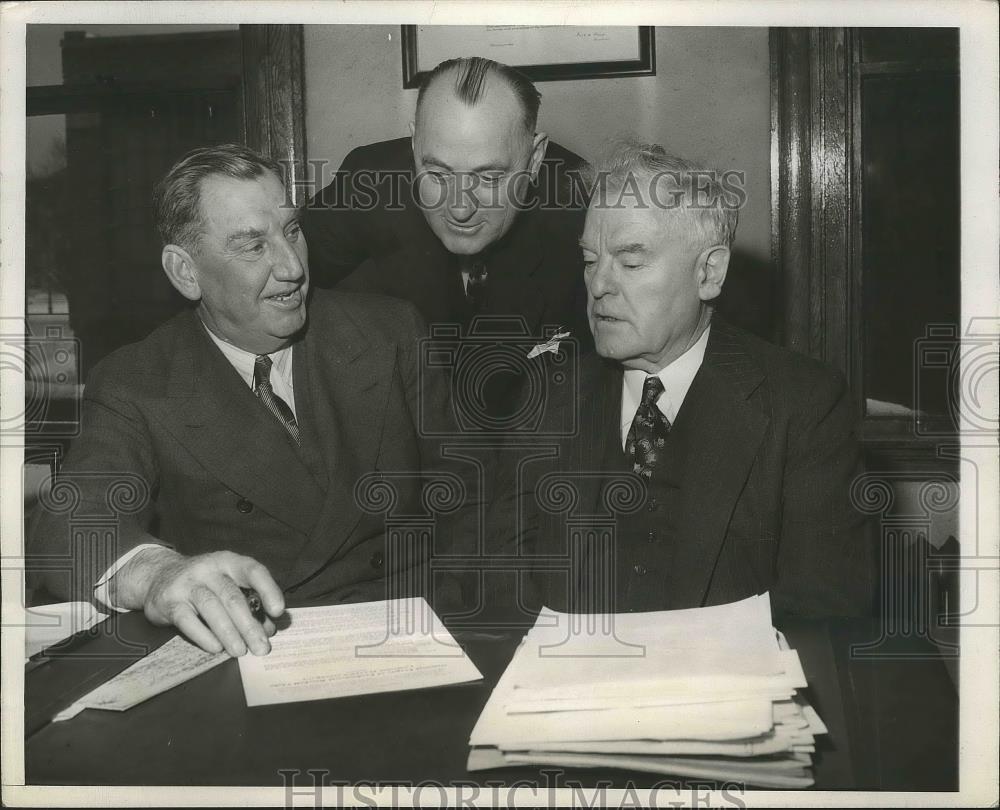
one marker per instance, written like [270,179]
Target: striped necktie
[648,434]
[265,393]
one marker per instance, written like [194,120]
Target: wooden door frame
[815,228]
[811,188]
[273,97]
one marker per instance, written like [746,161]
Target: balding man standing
[475,214]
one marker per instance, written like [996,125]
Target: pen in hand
[255,603]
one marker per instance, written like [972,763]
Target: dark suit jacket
[756,489]
[170,416]
[365,232]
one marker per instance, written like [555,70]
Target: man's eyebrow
[245,235]
[436,161]
[631,247]
[493,166]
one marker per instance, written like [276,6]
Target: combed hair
[177,197]
[629,158]
[469,85]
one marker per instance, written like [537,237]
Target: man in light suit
[249,421]
[707,465]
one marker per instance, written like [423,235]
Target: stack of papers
[707,693]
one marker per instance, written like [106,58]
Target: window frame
[816,215]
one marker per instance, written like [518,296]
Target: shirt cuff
[102,586]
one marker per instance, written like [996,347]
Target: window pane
[910,231]
[908,44]
[131,101]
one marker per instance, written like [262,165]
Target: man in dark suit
[476,214]
[249,430]
[705,464]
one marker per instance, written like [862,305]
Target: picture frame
[542,53]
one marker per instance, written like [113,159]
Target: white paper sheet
[702,721]
[784,774]
[168,666]
[567,655]
[773,742]
[47,625]
[357,649]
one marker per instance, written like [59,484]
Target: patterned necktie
[475,288]
[274,403]
[648,434]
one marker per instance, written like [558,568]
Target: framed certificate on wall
[544,53]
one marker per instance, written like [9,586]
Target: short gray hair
[177,197]
[715,215]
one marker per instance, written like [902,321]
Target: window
[109,110]
[865,210]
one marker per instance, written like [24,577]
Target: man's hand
[201,597]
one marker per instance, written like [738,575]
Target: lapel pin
[551,345]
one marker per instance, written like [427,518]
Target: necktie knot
[475,287]
[647,437]
[265,393]
[652,388]
[261,371]
[477,271]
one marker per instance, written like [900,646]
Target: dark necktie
[274,403]
[475,288]
[648,434]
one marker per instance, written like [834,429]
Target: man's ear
[180,269]
[712,264]
[539,145]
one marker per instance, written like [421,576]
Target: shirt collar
[243,361]
[676,379]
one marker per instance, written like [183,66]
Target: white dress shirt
[676,379]
[243,361]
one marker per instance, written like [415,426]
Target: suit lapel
[349,385]
[596,444]
[514,285]
[213,413]
[724,431]
[310,423]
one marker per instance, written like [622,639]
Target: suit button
[244,506]
[652,505]
[651,537]
[639,568]
[376,560]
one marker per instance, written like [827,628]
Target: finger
[249,626]
[214,613]
[186,620]
[260,579]
[269,627]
